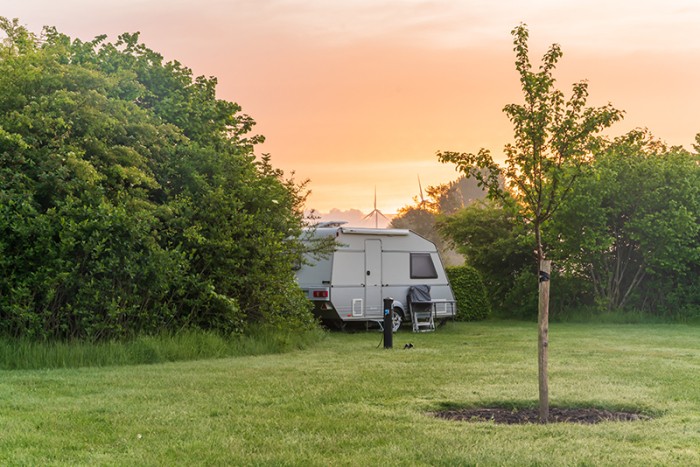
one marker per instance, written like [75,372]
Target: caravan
[368,265]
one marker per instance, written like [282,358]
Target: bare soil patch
[522,416]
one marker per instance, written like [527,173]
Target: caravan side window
[422,266]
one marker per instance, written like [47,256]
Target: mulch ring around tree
[522,416]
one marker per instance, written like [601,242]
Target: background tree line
[626,239]
[131,200]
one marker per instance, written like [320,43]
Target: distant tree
[424,215]
[553,138]
[494,241]
[421,221]
[131,199]
[456,195]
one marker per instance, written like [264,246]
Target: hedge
[472,298]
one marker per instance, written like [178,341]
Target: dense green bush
[493,240]
[568,294]
[631,227]
[472,298]
[131,199]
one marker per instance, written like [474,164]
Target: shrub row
[472,298]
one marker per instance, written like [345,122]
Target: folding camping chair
[420,307]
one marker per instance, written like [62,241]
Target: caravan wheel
[397,319]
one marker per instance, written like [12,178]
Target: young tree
[553,137]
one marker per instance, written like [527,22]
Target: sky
[358,95]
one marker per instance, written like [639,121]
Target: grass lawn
[345,401]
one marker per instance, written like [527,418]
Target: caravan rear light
[320,294]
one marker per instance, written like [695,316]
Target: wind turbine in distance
[376,212]
[422,200]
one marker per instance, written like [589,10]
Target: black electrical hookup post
[388,323]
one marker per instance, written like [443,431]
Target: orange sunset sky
[354,94]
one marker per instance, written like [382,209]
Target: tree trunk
[543,338]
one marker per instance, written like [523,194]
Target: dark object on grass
[586,415]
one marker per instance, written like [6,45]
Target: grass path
[347,402]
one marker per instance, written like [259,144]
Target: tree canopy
[131,199]
[553,137]
[632,224]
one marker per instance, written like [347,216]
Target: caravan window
[422,266]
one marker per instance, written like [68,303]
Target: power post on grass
[388,323]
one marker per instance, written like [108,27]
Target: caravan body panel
[369,265]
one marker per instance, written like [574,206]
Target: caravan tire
[397,319]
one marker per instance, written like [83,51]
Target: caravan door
[373,278]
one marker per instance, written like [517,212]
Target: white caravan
[369,265]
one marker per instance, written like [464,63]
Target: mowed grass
[346,401]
